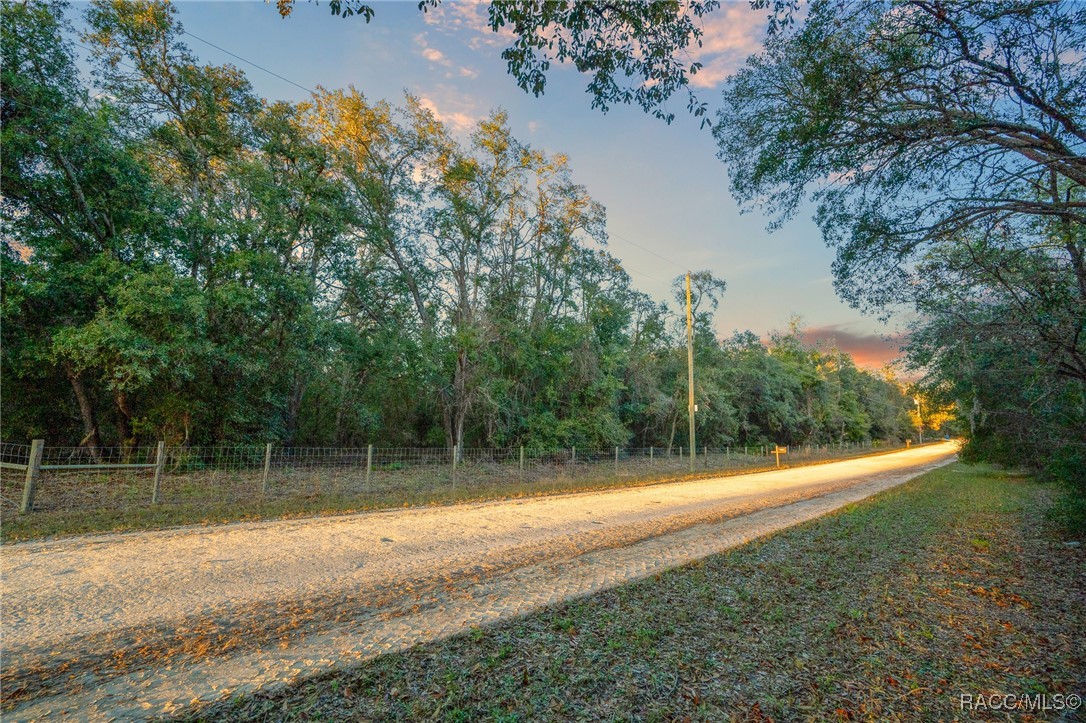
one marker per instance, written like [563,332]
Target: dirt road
[142,624]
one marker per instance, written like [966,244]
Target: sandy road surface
[72,604]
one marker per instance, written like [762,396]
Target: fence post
[522,458]
[573,457]
[369,464]
[267,468]
[651,449]
[705,454]
[160,462]
[616,460]
[680,453]
[33,467]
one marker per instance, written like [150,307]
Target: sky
[665,191]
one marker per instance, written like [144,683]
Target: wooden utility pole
[690,371]
[920,417]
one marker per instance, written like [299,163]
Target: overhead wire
[246,60]
[647,250]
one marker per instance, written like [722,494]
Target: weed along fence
[35,478]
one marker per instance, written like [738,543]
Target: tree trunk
[456,404]
[674,422]
[86,411]
[447,423]
[124,422]
[294,407]
[972,415]
[461,415]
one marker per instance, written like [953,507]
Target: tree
[256,222]
[1014,406]
[916,123]
[82,222]
[945,143]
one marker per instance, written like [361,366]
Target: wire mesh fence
[14,453]
[117,478]
[85,456]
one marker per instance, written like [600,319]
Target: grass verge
[409,491]
[889,609]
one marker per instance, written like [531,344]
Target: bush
[1067,465]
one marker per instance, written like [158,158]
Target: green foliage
[1067,465]
[633,53]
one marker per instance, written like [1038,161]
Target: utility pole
[920,417]
[690,371]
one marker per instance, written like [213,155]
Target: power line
[245,60]
[224,50]
[647,250]
[627,267]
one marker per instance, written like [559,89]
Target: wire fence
[116,478]
[14,453]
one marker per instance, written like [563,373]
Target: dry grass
[887,610]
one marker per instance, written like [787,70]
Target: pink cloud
[730,35]
[872,351]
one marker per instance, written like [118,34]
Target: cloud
[872,351]
[533,126]
[432,54]
[471,18]
[436,57]
[730,35]
[459,120]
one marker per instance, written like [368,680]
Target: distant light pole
[920,418]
